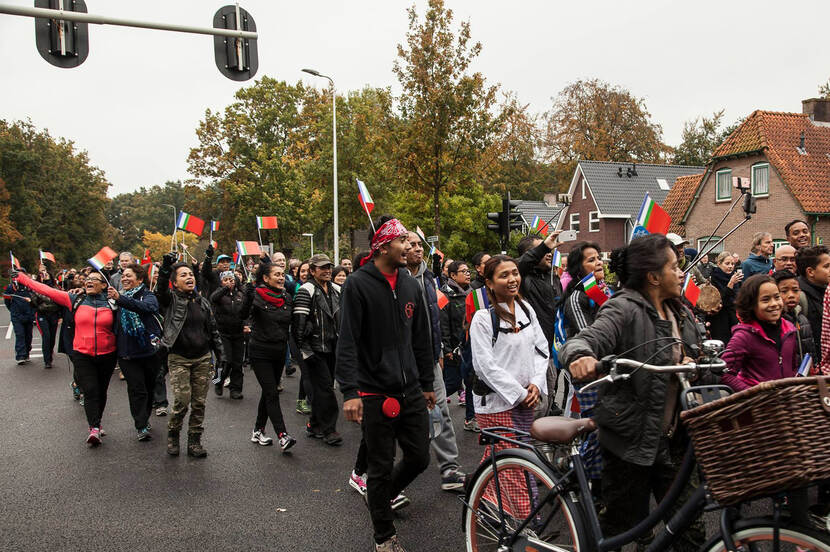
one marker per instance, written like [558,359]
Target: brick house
[786,159]
[606,197]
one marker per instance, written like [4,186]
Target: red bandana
[388,232]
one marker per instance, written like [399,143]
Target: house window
[760,180]
[663,184]
[575,221]
[593,221]
[702,242]
[778,243]
[723,190]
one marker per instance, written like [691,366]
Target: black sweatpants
[385,478]
[48,325]
[92,374]
[324,408]
[141,374]
[234,346]
[268,373]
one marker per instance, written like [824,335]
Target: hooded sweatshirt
[752,356]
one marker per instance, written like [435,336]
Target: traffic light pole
[63,15]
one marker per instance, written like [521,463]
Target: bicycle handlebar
[610,364]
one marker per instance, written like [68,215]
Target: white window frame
[715,252]
[593,218]
[728,173]
[583,189]
[752,178]
[573,220]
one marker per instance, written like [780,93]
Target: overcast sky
[136,101]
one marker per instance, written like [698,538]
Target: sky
[135,103]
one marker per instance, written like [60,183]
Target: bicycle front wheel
[523,485]
[758,536]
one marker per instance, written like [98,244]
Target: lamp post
[334,151]
[312,242]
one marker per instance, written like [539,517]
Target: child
[763,346]
[790,291]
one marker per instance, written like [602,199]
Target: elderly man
[759,261]
[784,259]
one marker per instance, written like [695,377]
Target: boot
[172,442]
[194,445]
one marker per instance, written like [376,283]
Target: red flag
[46,255]
[690,290]
[442,299]
[266,223]
[190,223]
[101,258]
[146,258]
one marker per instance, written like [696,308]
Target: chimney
[817,108]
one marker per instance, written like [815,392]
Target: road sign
[236,58]
[432,239]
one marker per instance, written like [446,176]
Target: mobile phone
[566,236]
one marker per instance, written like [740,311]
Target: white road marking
[9,332]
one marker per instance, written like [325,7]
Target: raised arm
[60,297]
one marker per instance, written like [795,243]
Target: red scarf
[272,297]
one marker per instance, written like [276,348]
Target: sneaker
[286,442]
[333,439]
[291,369]
[144,434]
[453,480]
[81,400]
[76,391]
[400,501]
[280,388]
[312,432]
[22,361]
[462,398]
[47,365]
[472,425]
[358,483]
[390,545]
[303,407]
[236,395]
[227,382]
[258,436]
[121,375]
[94,438]
[218,389]
[101,429]
[161,411]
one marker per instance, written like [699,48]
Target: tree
[8,233]
[446,121]
[594,120]
[159,243]
[701,136]
[824,90]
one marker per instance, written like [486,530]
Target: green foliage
[701,137]
[824,90]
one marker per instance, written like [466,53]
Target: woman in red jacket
[93,344]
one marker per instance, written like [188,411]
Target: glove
[168,260]
[209,252]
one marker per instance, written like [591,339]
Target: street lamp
[334,150]
[312,242]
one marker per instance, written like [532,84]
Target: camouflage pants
[189,379]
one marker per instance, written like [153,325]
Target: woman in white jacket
[510,358]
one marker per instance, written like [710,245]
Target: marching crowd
[402,336]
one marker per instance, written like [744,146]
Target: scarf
[824,368]
[130,320]
[269,296]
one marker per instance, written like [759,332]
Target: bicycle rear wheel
[523,485]
[758,536]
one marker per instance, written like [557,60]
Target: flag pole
[372,224]
[259,233]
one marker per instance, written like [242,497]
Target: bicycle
[522,500]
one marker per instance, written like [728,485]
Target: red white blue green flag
[45,255]
[190,223]
[266,223]
[476,300]
[102,257]
[246,248]
[652,217]
[14,261]
[592,289]
[557,259]
[690,290]
[364,197]
[214,226]
[539,226]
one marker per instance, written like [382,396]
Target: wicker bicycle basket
[763,440]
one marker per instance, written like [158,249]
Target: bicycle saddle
[558,429]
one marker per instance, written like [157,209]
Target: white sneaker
[400,501]
[259,437]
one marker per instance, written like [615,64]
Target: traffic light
[500,223]
[236,58]
[506,221]
[514,217]
[62,43]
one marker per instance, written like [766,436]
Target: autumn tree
[824,90]
[701,137]
[592,119]
[446,119]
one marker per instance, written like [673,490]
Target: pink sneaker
[358,483]
[462,397]
[94,438]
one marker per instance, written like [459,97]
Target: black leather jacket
[227,309]
[316,325]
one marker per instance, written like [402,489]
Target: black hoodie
[385,345]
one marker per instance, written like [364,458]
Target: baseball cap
[221,258]
[320,259]
[675,239]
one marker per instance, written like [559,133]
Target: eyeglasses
[100,281]
[464,272]
[785,259]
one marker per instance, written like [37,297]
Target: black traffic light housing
[62,43]
[506,221]
[236,58]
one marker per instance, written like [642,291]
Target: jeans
[189,378]
[160,387]
[22,339]
[234,346]
[92,374]
[48,324]
[268,373]
[385,478]
[141,374]
[324,408]
[443,445]
[305,391]
[467,375]
[451,376]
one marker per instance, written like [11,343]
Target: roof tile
[680,198]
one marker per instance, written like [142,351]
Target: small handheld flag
[806,365]
[190,223]
[476,300]
[266,223]
[146,259]
[246,248]
[556,261]
[214,226]
[690,290]
[421,234]
[592,289]
[652,217]
[14,261]
[365,199]
[215,244]
[47,256]
[442,299]
[539,226]
[102,257]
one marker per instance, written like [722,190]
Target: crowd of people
[401,336]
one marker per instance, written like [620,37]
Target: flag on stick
[248,248]
[146,259]
[442,299]
[365,199]
[190,223]
[690,290]
[215,244]
[652,217]
[421,234]
[102,257]
[15,262]
[592,289]
[539,226]
[476,300]
[214,226]
[47,256]
[266,223]
[556,261]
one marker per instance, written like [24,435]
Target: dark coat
[452,319]
[630,413]
[316,323]
[270,324]
[227,308]
[541,288]
[426,280]
[815,296]
[144,303]
[19,309]
[720,324]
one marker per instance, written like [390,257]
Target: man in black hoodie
[386,373]
[813,276]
